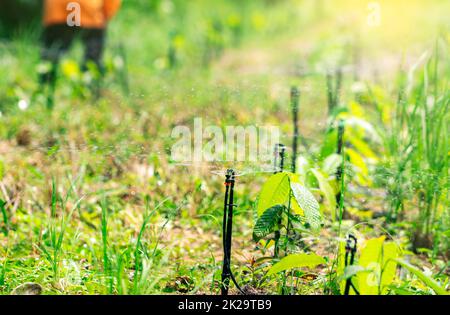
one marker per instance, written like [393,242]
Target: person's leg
[94,42]
[56,40]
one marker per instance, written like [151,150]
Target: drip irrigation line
[295,96]
[333,88]
[340,145]
[350,251]
[227,230]
[279,152]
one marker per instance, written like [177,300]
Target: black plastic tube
[350,249]
[227,232]
[340,145]
[295,97]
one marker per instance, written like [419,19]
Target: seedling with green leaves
[285,201]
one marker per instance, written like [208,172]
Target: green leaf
[358,161]
[267,222]
[296,261]
[327,191]
[274,192]
[377,257]
[4,216]
[427,280]
[356,124]
[362,147]
[309,205]
[341,264]
[329,143]
[351,271]
[2,170]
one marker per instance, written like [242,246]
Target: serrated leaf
[296,261]
[308,204]
[274,192]
[267,222]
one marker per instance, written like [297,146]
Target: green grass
[91,204]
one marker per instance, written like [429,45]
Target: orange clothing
[93,13]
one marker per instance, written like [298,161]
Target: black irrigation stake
[337,91]
[340,145]
[333,93]
[279,152]
[350,251]
[329,79]
[227,230]
[295,97]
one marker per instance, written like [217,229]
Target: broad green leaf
[4,216]
[329,144]
[356,109]
[358,161]
[308,204]
[2,170]
[390,250]
[295,207]
[296,261]
[351,271]
[295,178]
[377,257]
[424,278]
[357,124]
[327,191]
[341,264]
[362,147]
[274,192]
[267,222]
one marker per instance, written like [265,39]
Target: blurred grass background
[230,62]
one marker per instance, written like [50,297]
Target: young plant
[415,135]
[58,223]
[283,201]
[374,270]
